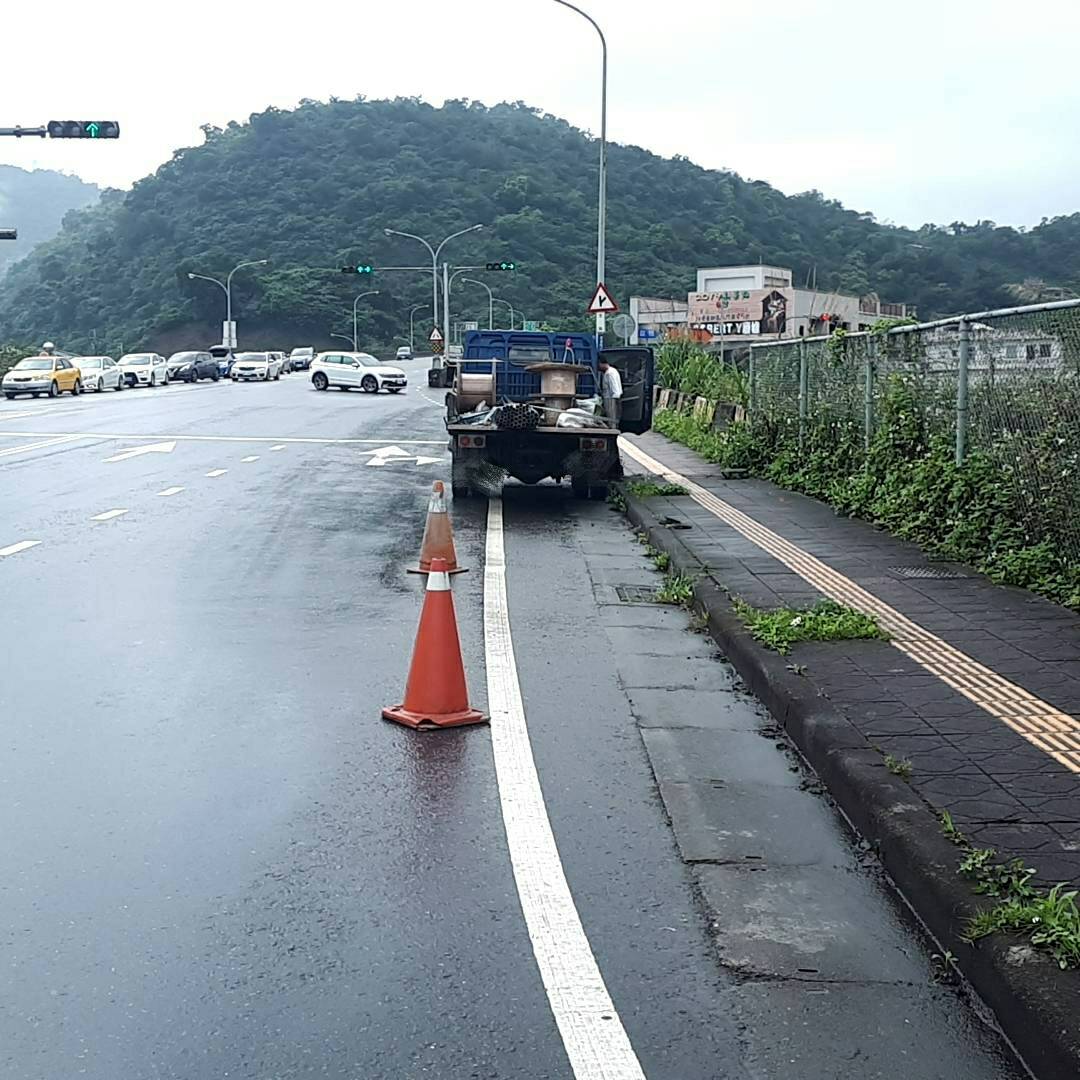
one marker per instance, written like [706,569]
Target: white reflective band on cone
[438,581]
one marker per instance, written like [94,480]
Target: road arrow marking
[428,460]
[108,515]
[138,451]
[170,491]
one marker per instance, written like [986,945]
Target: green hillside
[312,189]
[35,203]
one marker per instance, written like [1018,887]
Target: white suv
[347,370]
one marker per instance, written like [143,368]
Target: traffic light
[365,269]
[500,266]
[83,129]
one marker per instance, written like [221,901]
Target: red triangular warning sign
[602,303]
[435,335]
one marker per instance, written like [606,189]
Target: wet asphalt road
[218,861]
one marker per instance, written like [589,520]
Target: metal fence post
[868,392]
[804,404]
[962,392]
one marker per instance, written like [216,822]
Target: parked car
[281,359]
[145,369]
[100,373]
[346,370]
[301,358]
[252,366]
[223,354]
[193,366]
[38,375]
[404,352]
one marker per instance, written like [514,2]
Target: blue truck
[506,375]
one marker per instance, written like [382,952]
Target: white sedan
[145,369]
[100,373]
[347,370]
[262,366]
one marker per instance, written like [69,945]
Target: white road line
[11,451]
[170,491]
[312,441]
[252,457]
[108,515]
[280,446]
[15,414]
[14,549]
[592,1033]
[217,472]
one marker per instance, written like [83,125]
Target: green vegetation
[901,767]
[685,366]
[311,189]
[677,589]
[825,621]
[908,481]
[646,489]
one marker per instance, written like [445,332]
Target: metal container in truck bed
[495,371]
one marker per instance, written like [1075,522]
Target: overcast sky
[933,110]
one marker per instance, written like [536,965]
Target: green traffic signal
[365,269]
[501,266]
[83,129]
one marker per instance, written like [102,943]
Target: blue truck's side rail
[515,350]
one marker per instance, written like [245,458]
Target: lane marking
[280,446]
[15,414]
[14,549]
[217,472]
[592,1033]
[12,451]
[313,440]
[252,457]
[108,515]
[170,491]
[1054,732]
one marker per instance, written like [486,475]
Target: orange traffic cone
[436,695]
[438,542]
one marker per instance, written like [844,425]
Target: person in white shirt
[610,391]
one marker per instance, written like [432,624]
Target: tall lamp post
[412,312]
[499,300]
[491,299]
[226,287]
[601,228]
[344,337]
[370,292]
[434,253]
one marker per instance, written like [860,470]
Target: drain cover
[636,594]
[941,573]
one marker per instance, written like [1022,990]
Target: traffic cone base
[425,722]
[438,542]
[436,694]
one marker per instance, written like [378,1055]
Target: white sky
[930,110]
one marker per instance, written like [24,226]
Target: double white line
[11,451]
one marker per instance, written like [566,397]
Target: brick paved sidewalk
[979,687]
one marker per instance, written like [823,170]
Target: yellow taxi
[44,374]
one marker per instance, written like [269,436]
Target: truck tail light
[593,444]
[472,442]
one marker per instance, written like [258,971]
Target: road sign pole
[446,303]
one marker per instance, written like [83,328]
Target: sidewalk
[978,687]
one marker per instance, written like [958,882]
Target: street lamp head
[388,232]
[476,228]
[191,275]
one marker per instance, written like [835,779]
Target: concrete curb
[1034,1002]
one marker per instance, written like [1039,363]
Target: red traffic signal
[83,129]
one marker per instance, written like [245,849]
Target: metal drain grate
[636,594]
[940,573]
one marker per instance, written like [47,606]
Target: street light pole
[499,300]
[412,312]
[434,253]
[601,227]
[344,337]
[226,287]
[491,299]
[370,292]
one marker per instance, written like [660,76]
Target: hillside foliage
[311,189]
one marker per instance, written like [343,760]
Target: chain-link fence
[1002,384]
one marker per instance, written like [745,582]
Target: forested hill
[35,203]
[313,188]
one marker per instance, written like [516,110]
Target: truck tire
[460,480]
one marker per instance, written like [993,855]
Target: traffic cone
[438,542]
[436,695]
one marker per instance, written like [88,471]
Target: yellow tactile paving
[1052,731]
